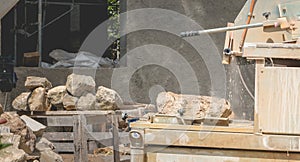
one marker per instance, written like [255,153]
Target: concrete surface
[208,14]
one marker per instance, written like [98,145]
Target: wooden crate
[78,132]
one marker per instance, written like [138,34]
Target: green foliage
[4,145]
[114,26]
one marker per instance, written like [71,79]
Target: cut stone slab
[12,153]
[86,102]
[43,144]
[191,106]
[79,85]
[20,102]
[107,99]
[33,82]
[38,100]
[37,128]
[56,96]
[70,102]
[49,155]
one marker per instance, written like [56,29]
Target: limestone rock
[86,102]
[107,99]
[33,82]
[12,153]
[38,100]
[14,122]
[27,141]
[56,96]
[192,106]
[35,126]
[1,109]
[20,103]
[49,155]
[70,102]
[79,85]
[18,127]
[43,144]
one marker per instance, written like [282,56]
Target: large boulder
[38,100]
[49,155]
[46,148]
[191,106]
[86,102]
[79,85]
[43,144]
[107,99]
[56,96]
[12,153]
[20,102]
[70,102]
[33,82]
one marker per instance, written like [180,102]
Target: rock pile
[36,99]
[191,106]
[79,93]
[25,135]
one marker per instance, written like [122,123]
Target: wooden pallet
[80,132]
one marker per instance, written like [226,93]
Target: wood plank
[97,136]
[242,128]
[53,121]
[80,139]
[258,51]
[6,6]
[222,140]
[279,98]
[63,147]
[116,140]
[96,119]
[70,113]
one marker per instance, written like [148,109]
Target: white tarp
[80,59]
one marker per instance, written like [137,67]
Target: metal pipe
[218,30]
[252,5]
[15,35]
[67,3]
[40,22]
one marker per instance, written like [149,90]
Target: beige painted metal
[237,128]
[226,140]
[163,157]
[279,95]
[259,50]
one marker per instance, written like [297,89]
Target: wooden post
[80,139]
[116,140]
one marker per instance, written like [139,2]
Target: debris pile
[23,137]
[79,93]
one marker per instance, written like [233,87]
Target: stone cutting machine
[263,30]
